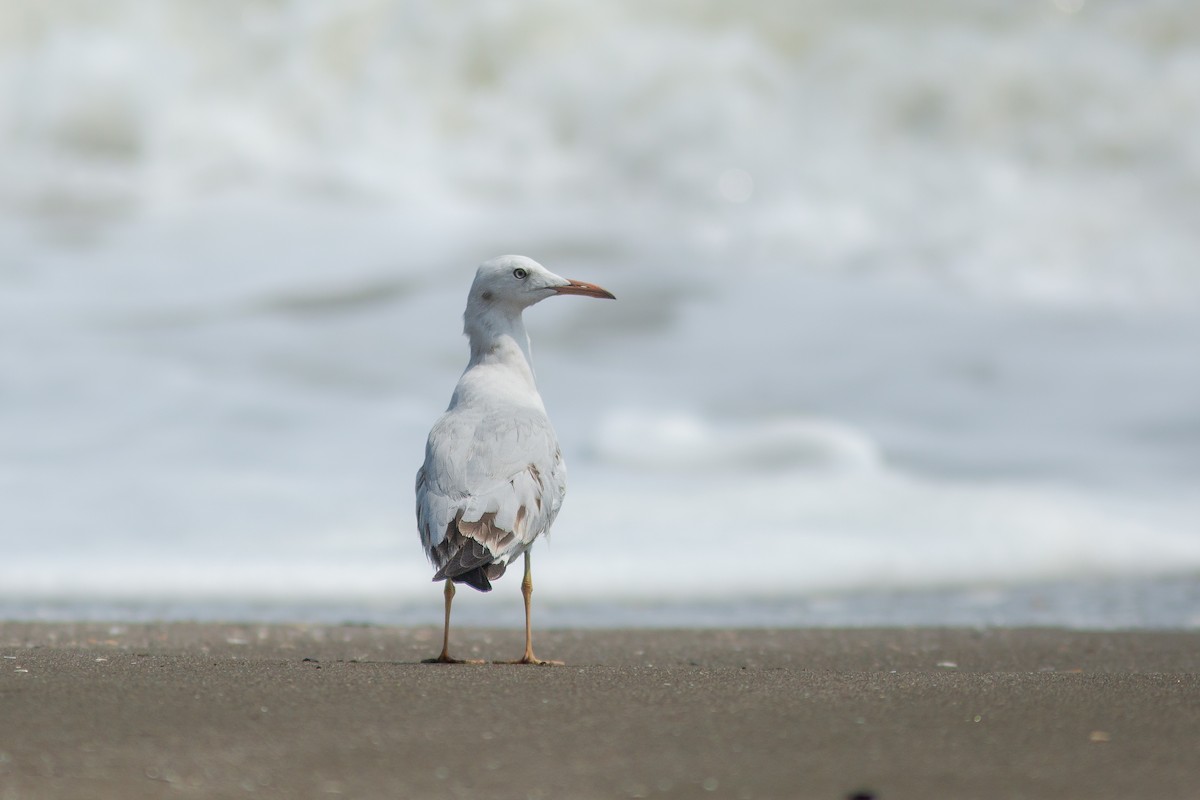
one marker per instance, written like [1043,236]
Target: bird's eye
[519,274]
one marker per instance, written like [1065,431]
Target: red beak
[589,289]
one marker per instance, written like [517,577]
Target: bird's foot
[535,661]
[446,659]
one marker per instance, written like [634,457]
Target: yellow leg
[445,658]
[527,592]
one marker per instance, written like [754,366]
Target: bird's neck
[498,338]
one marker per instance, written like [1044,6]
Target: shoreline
[1168,602]
[143,710]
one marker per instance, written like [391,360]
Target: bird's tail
[479,578]
[465,555]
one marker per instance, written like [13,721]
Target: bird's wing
[495,478]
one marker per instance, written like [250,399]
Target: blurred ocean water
[908,303]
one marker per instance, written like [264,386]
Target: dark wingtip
[468,559]
[475,578]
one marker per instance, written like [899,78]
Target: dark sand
[180,710]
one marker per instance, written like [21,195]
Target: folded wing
[491,484]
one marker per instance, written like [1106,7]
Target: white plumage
[493,478]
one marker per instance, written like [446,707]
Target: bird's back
[492,482]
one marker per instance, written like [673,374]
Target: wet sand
[141,711]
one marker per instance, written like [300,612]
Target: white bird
[494,478]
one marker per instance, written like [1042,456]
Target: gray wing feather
[495,478]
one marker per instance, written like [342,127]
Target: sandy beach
[207,710]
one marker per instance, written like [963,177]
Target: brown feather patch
[485,531]
[467,553]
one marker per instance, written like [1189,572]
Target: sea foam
[906,300]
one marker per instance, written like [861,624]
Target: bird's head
[517,282]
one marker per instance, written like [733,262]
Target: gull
[494,478]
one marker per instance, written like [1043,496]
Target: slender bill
[589,289]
